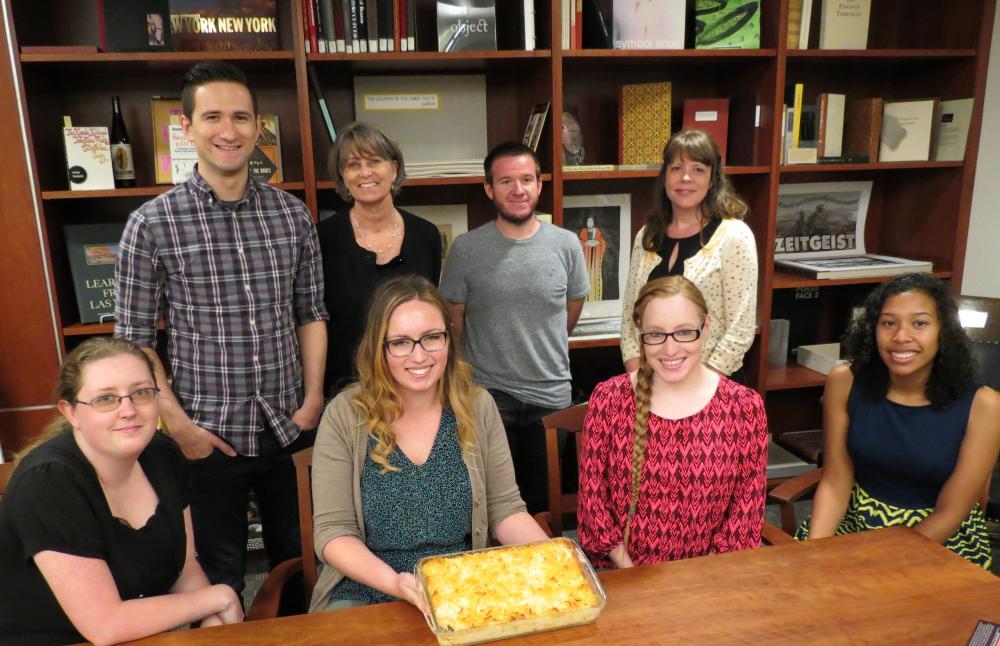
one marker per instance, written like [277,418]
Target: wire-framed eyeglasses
[680,336]
[108,402]
[430,342]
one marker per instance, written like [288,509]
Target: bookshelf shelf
[436,57]
[92,329]
[876,166]
[784,280]
[892,55]
[714,55]
[791,376]
[571,176]
[158,57]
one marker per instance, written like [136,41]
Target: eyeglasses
[680,336]
[403,347]
[108,402]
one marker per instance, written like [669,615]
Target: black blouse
[689,246]
[350,276]
[55,502]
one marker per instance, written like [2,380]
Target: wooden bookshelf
[918,209]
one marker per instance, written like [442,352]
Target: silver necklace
[364,238]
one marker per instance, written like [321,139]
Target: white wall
[981,264]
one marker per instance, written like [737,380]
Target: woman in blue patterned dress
[411,461]
[910,439]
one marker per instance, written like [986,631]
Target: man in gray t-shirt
[515,288]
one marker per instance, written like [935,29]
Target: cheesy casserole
[507,584]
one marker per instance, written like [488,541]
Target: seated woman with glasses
[95,531]
[411,461]
[674,462]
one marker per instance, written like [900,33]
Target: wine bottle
[121,148]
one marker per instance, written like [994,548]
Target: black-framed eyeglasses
[430,342]
[680,336]
[109,402]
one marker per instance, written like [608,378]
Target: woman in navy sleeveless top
[909,438]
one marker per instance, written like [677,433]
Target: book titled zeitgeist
[466,25]
[649,24]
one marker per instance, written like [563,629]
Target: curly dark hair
[952,372]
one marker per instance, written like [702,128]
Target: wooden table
[880,587]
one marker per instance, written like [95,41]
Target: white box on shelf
[821,358]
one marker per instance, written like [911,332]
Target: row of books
[644,125]
[366,26]
[843,24]
[660,24]
[839,129]
[89,164]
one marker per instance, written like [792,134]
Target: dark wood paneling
[27,340]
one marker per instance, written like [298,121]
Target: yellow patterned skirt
[971,541]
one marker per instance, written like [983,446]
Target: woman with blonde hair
[696,230]
[95,529]
[411,461]
[367,242]
[675,457]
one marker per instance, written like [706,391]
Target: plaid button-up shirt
[233,285]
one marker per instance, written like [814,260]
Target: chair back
[570,420]
[6,471]
[981,321]
[303,480]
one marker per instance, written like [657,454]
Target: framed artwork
[603,224]
[452,220]
[821,220]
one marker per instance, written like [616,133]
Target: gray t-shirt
[515,294]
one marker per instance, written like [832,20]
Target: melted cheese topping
[506,584]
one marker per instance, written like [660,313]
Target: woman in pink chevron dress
[674,465]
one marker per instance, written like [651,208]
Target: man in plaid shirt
[233,266]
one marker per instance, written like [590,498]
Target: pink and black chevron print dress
[703,482]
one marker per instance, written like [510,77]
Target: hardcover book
[727,24]
[93,252]
[831,124]
[853,266]
[953,129]
[135,25]
[265,162]
[710,116]
[224,25]
[652,24]
[166,113]
[744,135]
[845,24]
[907,130]
[536,123]
[466,25]
[863,127]
[794,24]
[643,122]
[183,155]
[88,158]
[434,118]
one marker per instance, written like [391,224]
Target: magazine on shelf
[821,233]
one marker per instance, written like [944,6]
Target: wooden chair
[266,603]
[6,471]
[570,420]
[560,504]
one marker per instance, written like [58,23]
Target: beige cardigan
[339,458]
[725,270]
